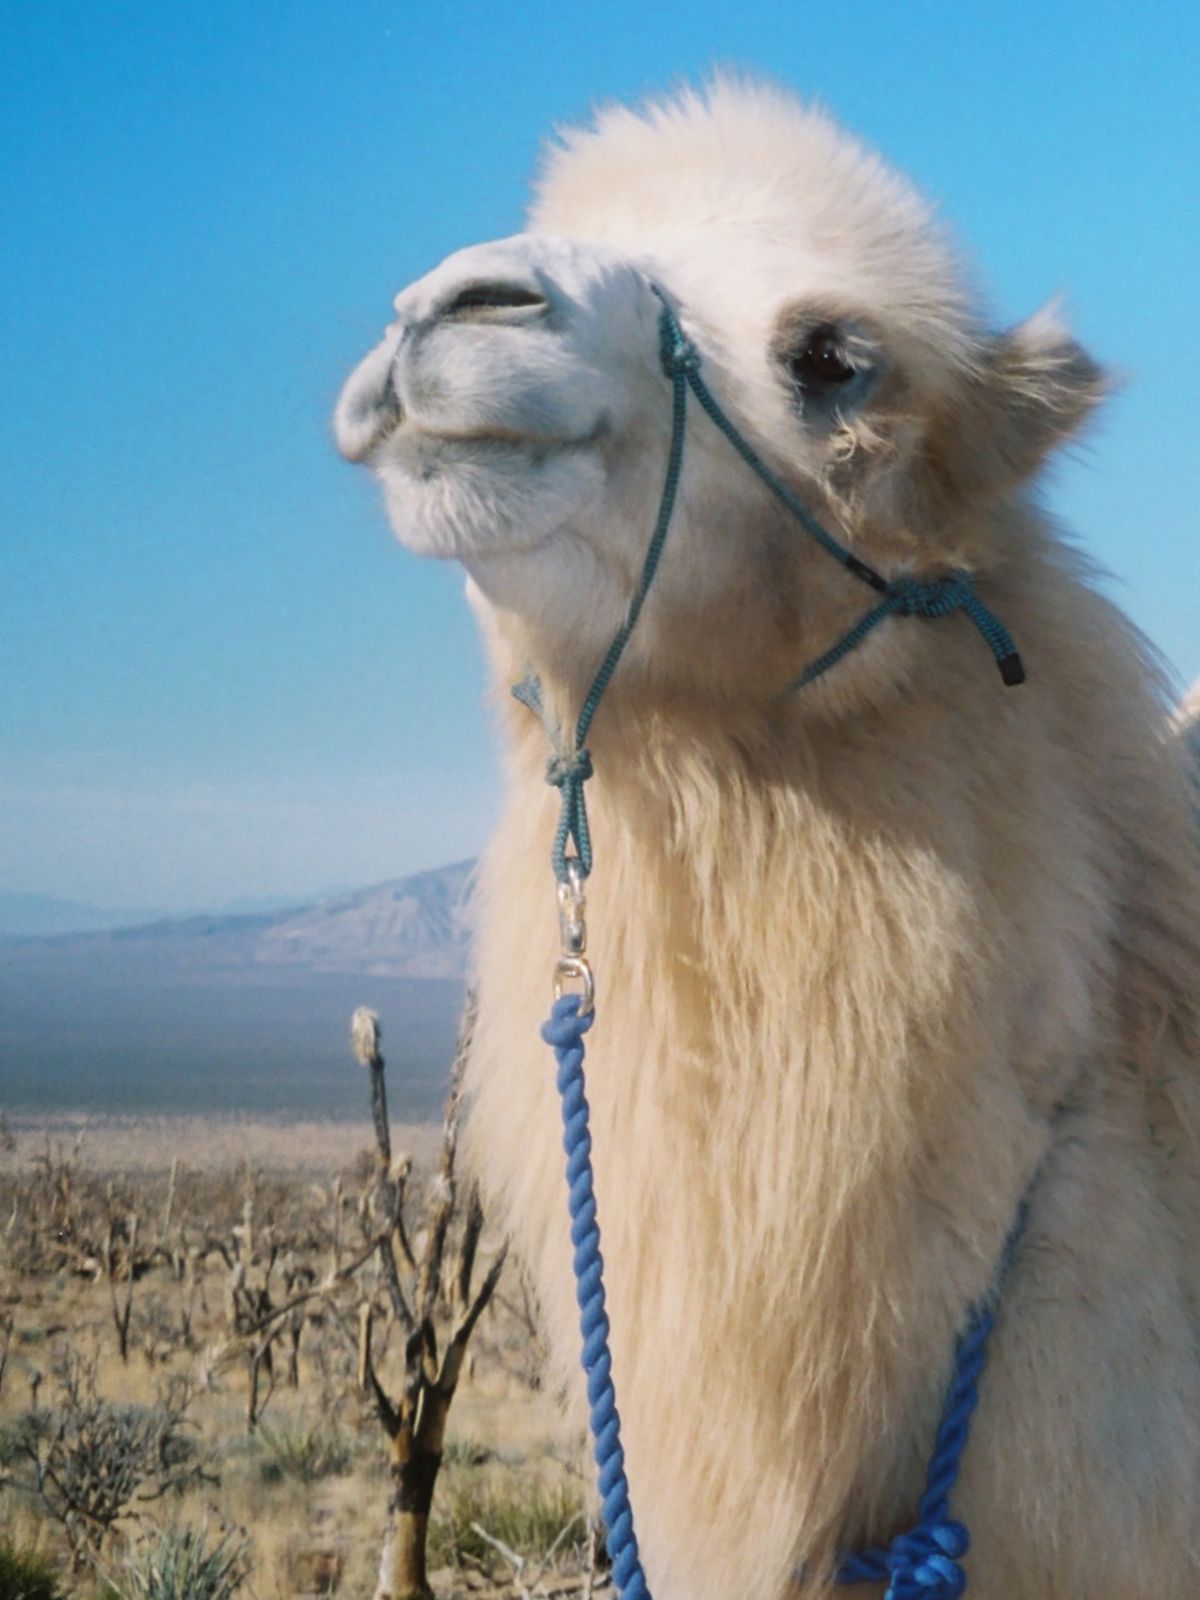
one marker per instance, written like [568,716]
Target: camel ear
[1034,388]
[1046,385]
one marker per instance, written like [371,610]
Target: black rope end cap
[860,569]
[1012,669]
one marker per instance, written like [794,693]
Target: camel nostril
[487,299]
[389,410]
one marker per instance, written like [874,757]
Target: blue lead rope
[924,1563]
[564,1030]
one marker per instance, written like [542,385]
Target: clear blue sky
[219,676]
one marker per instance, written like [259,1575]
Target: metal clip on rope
[573,965]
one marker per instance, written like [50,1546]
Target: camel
[881,959]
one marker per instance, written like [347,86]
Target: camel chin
[474,499]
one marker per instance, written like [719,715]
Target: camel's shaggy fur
[875,960]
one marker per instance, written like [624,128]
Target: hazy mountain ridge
[416,927]
[1188,721]
[1189,718]
[413,927]
[249,1012]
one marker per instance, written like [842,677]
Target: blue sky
[220,677]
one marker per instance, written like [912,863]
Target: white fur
[872,959]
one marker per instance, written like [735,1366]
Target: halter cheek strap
[933,598]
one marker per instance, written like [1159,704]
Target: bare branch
[326,1286]
[456,1349]
[365,1034]
[429,1279]
[391,1278]
[472,1230]
[390,1418]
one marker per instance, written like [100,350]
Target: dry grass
[309,1485]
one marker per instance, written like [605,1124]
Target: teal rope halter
[922,1563]
[568,770]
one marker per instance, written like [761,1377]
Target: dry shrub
[177,1563]
[92,1462]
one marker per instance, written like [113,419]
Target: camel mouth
[517,438]
[416,446]
[385,432]
[379,431]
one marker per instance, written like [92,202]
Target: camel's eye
[820,365]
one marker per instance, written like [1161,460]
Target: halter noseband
[932,598]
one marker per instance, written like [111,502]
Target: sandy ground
[148,1144]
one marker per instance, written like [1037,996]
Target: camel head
[518,417]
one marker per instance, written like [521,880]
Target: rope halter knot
[569,769]
[568,773]
[933,597]
[920,1565]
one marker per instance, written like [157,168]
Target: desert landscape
[211,1327]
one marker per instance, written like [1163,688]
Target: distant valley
[240,1013]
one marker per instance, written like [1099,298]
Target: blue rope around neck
[921,1564]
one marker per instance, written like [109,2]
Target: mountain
[241,1012]
[414,927]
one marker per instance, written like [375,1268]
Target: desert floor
[191,1230]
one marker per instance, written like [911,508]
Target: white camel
[878,959]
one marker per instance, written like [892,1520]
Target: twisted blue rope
[564,1030]
[570,768]
[921,1564]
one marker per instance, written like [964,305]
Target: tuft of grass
[465,1453]
[305,1454]
[178,1563]
[527,1518]
[25,1575]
